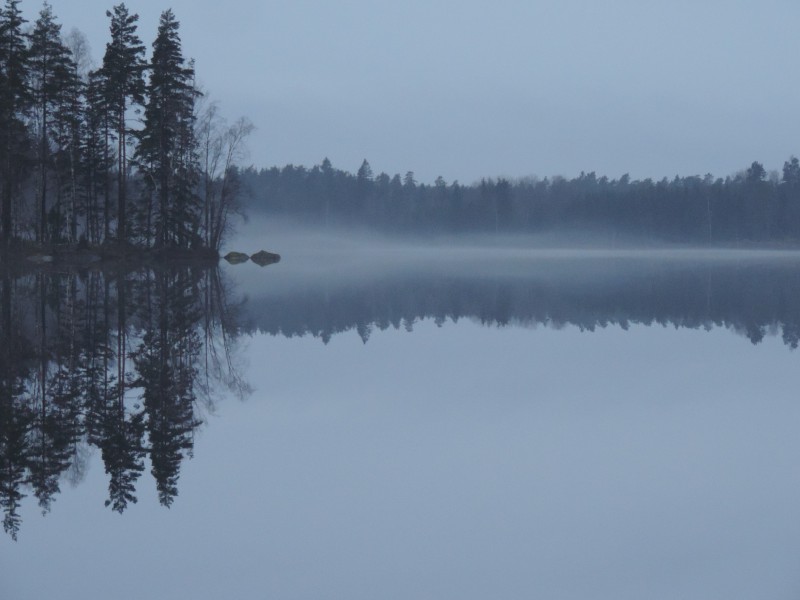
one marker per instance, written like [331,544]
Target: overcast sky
[513,87]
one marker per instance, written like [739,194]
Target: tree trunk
[122,158]
[43,174]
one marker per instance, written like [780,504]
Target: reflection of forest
[752,298]
[119,361]
[124,362]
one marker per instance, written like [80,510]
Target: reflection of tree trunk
[6,370]
[5,301]
[43,343]
[121,342]
[207,338]
[106,327]
[6,207]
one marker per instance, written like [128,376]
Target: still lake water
[408,423]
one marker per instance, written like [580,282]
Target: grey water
[385,419]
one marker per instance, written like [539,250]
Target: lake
[389,419]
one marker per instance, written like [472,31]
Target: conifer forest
[128,154]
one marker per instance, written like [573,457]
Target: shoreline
[27,256]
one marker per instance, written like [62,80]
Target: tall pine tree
[123,73]
[50,74]
[14,102]
[97,158]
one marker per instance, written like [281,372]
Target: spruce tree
[167,153]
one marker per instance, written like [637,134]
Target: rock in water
[265,258]
[236,258]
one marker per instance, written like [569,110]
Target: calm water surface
[501,425]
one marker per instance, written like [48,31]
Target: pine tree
[123,72]
[14,102]
[97,158]
[69,118]
[50,74]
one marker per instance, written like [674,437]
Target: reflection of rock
[265,258]
[236,258]
[40,259]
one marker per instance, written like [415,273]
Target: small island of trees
[124,159]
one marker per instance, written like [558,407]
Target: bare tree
[222,148]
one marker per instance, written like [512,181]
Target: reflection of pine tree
[57,429]
[166,363]
[15,416]
[57,424]
[117,431]
[92,371]
[15,423]
[67,380]
[122,452]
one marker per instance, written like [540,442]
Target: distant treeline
[748,207]
[123,152]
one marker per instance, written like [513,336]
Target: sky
[511,88]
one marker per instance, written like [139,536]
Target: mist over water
[368,279]
[301,243]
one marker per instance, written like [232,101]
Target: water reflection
[127,361]
[122,361]
[755,298]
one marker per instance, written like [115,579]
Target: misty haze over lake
[384,416]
